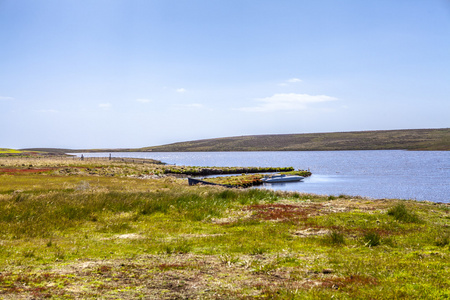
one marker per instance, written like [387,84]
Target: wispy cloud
[290,81]
[141,100]
[6,98]
[287,102]
[181,90]
[105,105]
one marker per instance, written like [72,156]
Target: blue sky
[133,73]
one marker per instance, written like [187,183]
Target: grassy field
[5,151]
[415,139]
[73,229]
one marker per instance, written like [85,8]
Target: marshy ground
[72,229]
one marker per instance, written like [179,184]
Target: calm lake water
[420,175]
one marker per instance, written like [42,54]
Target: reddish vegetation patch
[352,280]
[22,171]
[103,269]
[283,212]
[32,283]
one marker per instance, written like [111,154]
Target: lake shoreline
[341,179]
[421,175]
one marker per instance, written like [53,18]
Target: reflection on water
[323,178]
[421,175]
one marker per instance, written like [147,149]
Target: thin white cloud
[6,98]
[105,105]
[290,81]
[287,102]
[181,90]
[141,100]
[294,80]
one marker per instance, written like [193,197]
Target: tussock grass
[402,214]
[335,237]
[372,239]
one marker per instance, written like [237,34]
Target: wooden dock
[193,181]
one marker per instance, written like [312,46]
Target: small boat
[282,178]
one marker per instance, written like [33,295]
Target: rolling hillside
[413,139]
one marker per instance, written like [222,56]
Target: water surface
[420,175]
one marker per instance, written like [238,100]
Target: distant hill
[412,139]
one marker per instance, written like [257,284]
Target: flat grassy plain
[72,229]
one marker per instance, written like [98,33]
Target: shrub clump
[401,213]
[442,239]
[372,239]
[335,238]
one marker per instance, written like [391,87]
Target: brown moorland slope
[413,139]
[409,139]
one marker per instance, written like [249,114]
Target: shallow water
[420,175]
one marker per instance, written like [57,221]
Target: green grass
[248,180]
[9,151]
[90,237]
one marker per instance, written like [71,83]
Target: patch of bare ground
[232,217]
[283,211]
[129,236]
[361,204]
[312,232]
